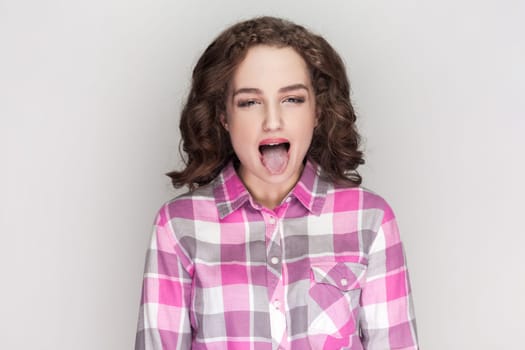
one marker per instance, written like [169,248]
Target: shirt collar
[311,188]
[230,193]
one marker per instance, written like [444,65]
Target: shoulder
[360,199]
[190,205]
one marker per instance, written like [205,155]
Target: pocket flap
[344,276]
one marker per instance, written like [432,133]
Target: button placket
[274,258]
[274,249]
[274,276]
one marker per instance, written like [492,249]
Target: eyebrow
[281,90]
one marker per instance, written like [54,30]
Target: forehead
[269,67]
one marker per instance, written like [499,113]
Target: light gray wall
[89,98]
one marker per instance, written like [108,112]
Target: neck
[269,195]
[270,201]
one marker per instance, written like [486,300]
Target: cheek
[307,125]
[241,134]
[307,134]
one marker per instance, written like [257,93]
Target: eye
[294,99]
[246,103]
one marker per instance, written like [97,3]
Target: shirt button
[288,199]
[271,220]
[277,304]
[275,260]
[344,281]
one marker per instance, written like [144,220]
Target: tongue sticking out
[275,158]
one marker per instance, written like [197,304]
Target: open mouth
[274,155]
[274,146]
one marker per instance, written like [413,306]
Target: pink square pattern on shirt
[325,270]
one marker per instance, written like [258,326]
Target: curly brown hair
[335,142]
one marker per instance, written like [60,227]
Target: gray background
[89,99]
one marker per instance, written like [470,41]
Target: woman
[275,246]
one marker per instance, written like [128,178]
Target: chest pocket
[333,298]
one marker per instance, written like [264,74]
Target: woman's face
[270,116]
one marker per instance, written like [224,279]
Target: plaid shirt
[323,270]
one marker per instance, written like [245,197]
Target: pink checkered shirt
[323,270]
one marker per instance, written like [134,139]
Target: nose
[272,119]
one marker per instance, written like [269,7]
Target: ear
[224,122]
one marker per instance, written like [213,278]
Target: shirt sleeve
[387,318]
[164,321]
